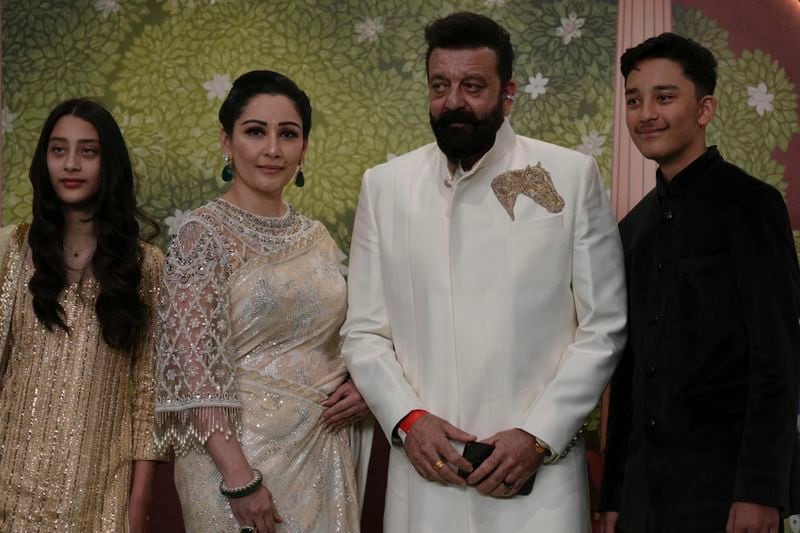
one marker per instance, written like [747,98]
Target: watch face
[541,447]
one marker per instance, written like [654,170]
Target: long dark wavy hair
[116,263]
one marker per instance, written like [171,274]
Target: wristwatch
[541,448]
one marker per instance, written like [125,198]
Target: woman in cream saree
[250,348]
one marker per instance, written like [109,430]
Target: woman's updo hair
[258,82]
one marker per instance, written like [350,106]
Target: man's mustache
[457,116]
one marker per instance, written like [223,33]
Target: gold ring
[438,465]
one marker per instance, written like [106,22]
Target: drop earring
[299,177]
[227,170]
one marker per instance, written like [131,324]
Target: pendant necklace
[76,253]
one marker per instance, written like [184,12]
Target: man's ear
[509,93]
[707,109]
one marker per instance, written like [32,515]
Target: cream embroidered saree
[251,311]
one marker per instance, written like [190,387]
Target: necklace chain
[81,268]
[76,253]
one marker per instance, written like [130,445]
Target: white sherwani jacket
[486,322]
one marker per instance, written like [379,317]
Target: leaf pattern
[757,135]
[158,64]
[362,64]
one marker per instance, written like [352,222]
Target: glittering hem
[190,429]
[180,405]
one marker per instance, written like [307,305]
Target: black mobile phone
[477,452]
[526,489]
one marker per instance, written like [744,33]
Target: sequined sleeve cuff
[186,427]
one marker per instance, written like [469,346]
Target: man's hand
[512,462]
[427,444]
[608,522]
[746,517]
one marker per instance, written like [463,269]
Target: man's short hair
[466,30]
[697,62]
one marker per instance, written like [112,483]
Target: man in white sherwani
[487,301]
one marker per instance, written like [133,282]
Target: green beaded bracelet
[244,490]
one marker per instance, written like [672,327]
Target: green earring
[299,178]
[227,170]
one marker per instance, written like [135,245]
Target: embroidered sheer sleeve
[196,393]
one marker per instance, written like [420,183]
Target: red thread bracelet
[411,419]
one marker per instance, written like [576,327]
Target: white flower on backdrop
[495,3]
[570,27]
[592,144]
[107,7]
[760,98]
[794,523]
[218,86]
[174,221]
[8,120]
[369,29]
[537,85]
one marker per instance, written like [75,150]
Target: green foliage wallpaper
[757,100]
[163,67]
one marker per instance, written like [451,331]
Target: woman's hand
[345,406]
[141,497]
[256,510]
[138,517]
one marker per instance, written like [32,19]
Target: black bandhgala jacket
[704,401]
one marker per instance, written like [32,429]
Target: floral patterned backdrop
[757,100]
[758,87]
[163,67]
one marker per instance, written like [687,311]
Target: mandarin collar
[687,177]
[503,142]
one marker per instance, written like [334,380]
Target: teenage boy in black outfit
[703,404]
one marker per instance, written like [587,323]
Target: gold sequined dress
[74,412]
[251,310]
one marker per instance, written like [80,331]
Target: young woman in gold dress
[77,296]
[252,391]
